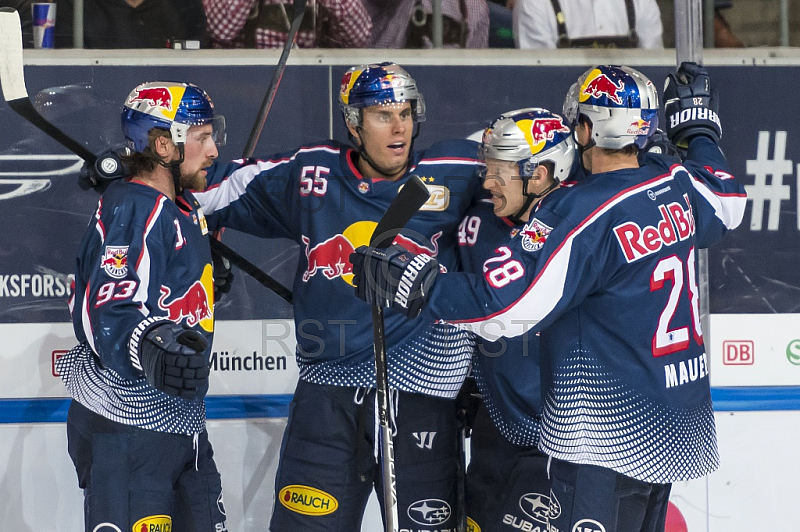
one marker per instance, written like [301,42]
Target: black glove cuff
[138,334]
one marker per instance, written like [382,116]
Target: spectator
[128,23]
[265,23]
[587,24]
[501,33]
[723,35]
[409,23]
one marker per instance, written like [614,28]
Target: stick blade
[411,197]
[12,77]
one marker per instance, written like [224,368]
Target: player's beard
[197,179]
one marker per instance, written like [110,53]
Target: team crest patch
[534,235]
[153,523]
[115,261]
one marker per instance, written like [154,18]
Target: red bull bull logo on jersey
[598,85]
[115,261]
[195,305]
[331,257]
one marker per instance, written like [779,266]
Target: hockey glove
[223,275]
[393,277]
[690,105]
[173,361]
[659,144]
[107,168]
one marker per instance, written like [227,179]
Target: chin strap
[174,168]
[530,198]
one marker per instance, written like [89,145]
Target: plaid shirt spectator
[392,18]
[337,24]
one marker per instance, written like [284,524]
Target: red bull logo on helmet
[115,261]
[154,96]
[545,129]
[638,127]
[598,85]
[195,305]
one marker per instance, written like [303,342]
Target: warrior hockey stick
[216,244]
[413,195]
[12,80]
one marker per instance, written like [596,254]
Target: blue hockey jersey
[143,259]
[506,370]
[316,196]
[607,272]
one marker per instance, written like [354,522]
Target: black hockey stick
[12,80]
[412,196]
[216,244]
[299,9]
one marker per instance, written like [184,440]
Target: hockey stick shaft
[299,9]
[12,80]
[411,197]
[251,269]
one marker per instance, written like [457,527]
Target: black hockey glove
[107,168]
[393,277]
[173,361]
[659,144]
[223,275]
[690,105]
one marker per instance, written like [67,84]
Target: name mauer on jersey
[676,225]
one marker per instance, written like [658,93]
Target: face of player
[198,153]
[505,184]
[385,132]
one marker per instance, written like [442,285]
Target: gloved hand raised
[690,105]
[107,168]
[173,361]
[393,277]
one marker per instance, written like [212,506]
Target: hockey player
[328,198]
[528,153]
[608,275]
[143,313]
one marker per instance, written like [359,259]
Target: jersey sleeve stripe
[143,261]
[86,320]
[728,207]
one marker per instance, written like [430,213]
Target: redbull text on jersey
[676,225]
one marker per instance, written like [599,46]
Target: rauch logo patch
[153,523]
[307,501]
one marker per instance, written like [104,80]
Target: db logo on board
[738,352]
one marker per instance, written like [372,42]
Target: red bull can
[44,25]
